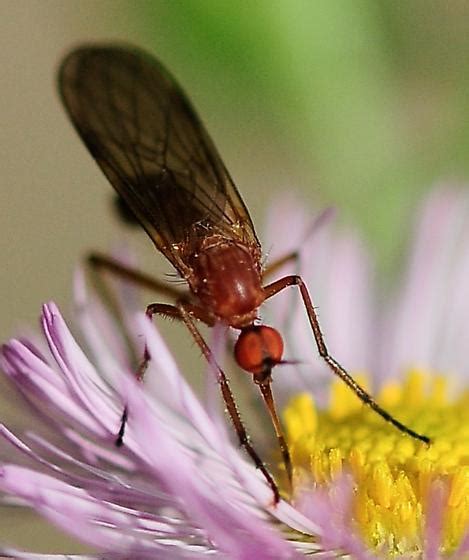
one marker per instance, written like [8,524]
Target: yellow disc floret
[394,475]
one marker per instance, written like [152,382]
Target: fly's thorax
[227,279]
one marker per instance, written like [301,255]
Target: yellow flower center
[393,473]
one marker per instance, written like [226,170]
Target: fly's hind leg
[99,264]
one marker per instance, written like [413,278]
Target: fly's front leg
[334,366]
[188,317]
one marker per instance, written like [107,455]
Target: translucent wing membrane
[146,137]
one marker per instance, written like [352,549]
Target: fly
[144,134]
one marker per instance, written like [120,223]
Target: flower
[179,488]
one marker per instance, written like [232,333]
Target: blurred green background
[360,104]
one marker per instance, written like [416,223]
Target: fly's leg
[293,256]
[264,381]
[187,315]
[99,264]
[155,308]
[275,287]
[169,311]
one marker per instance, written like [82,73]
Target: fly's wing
[144,134]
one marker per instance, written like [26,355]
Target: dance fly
[146,137]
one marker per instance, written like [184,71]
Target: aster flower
[179,488]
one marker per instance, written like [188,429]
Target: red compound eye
[258,348]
